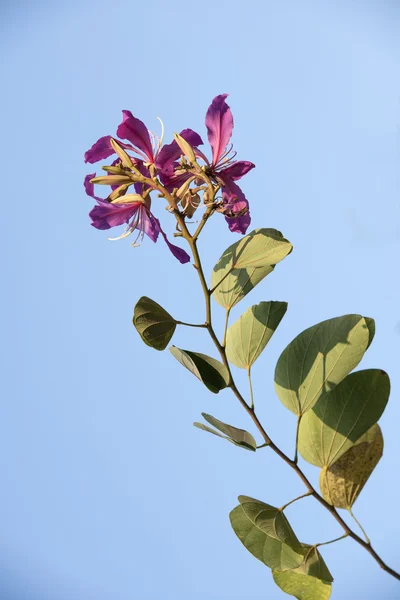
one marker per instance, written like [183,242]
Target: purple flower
[147,146]
[130,209]
[219,123]
[235,208]
[223,168]
[131,129]
[147,150]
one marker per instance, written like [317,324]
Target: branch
[251,412]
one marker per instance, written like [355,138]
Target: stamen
[224,161]
[161,139]
[127,232]
[139,226]
[154,141]
[226,152]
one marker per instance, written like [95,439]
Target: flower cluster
[177,171]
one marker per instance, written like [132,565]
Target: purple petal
[136,132]
[89,187]
[191,137]
[106,215]
[149,224]
[239,224]
[236,170]
[170,152]
[179,253]
[235,202]
[100,150]
[171,181]
[219,123]
[144,171]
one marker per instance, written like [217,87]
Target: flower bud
[118,192]
[114,169]
[111,180]
[125,158]
[190,204]
[129,199]
[181,192]
[186,148]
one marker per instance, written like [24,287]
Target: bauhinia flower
[223,169]
[144,144]
[131,209]
[145,150]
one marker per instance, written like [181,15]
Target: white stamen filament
[136,223]
[162,135]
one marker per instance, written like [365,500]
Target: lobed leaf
[210,371]
[302,587]
[319,358]
[249,335]
[310,581]
[266,533]
[239,437]
[341,483]
[341,417]
[154,324]
[244,264]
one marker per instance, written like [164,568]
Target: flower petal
[148,224]
[170,152]
[136,132]
[170,180]
[106,215]
[89,187]
[219,123]
[236,170]
[239,224]
[100,150]
[179,253]
[236,208]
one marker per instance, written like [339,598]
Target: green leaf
[246,263]
[310,581]
[371,329]
[210,371]
[249,335]
[270,520]
[341,417]
[154,325]
[341,483]
[266,533]
[239,437]
[318,359]
[302,587]
[314,564]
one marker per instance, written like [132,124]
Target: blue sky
[108,492]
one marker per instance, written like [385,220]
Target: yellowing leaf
[341,417]
[341,483]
